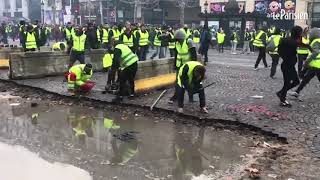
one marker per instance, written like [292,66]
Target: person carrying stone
[79,79]
[190,78]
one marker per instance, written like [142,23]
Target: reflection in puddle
[125,146]
[18,163]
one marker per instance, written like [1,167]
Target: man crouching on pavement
[190,78]
[79,79]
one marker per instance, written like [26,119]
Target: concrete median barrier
[151,73]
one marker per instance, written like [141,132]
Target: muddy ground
[273,160]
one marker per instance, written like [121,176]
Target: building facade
[14,9]
[267,8]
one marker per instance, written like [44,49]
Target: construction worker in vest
[31,40]
[59,46]
[157,43]
[127,62]
[172,43]
[105,36]
[185,52]
[190,78]
[246,42]
[115,32]
[128,38]
[221,39]
[79,77]
[68,32]
[142,37]
[303,52]
[196,38]
[260,42]
[234,41]
[275,38]
[79,43]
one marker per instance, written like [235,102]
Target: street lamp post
[206,13]
[42,11]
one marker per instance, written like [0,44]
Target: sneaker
[285,104]
[294,94]
[256,69]
[180,110]
[131,96]
[204,110]
[170,101]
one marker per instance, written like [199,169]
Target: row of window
[7,4]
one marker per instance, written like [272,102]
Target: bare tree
[141,4]
[183,4]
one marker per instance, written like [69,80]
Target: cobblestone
[231,99]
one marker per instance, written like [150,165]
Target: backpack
[271,46]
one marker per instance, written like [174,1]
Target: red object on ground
[87,87]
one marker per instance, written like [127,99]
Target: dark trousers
[275,62]
[127,75]
[172,52]
[261,56]
[76,56]
[111,76]
[251,46]
[301,59]
[290,80]
[204,52]
[307,78]
[180,94]
[104,45]
[220,47]
[143,53]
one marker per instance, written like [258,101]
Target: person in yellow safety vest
[31,40]
[107,63]
[59,46]
[312,64]
[157,43]
[79,79]
[187,31]
[172,43]
[221,39]
[274,40]
[185,52]
[127,62]
[68,33]
[190,78]
[260,42]
[246,42]
[99,37]
[253,36]
[128,38]
[196,38]
[143,42]
[303,52]
[115,32]
[105,36]
[79,43]
[234,41]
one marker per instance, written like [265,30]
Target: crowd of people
[127,44]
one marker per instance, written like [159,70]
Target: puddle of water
[18,163]
[123,146]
